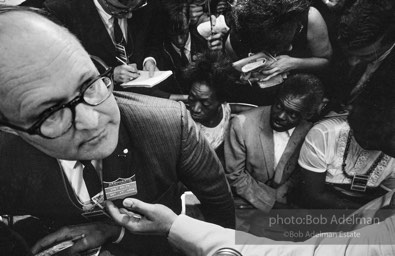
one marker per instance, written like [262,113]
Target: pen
[78,237]
[124,63]
[209,14]
[96,202]
[60,247]
[120,60]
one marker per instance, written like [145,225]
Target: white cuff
[147,59]
[120,237]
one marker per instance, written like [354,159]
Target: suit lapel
[266,138]
[131,36]
[284,169]
[118,164]
[175,57]
[98,29]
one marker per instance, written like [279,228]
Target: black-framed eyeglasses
[57,120]
[123,11]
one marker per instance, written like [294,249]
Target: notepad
[145,81]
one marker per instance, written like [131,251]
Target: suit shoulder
[145,101]
[150,109]
[60,5]
[250,119]
[253,114]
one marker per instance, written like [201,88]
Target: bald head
[29,43]
[44,69]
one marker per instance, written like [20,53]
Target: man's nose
[196,107]
[179,39]
[86,117]
[282,115]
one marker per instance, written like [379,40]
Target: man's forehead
[201,90]
[36,56]
[292,102]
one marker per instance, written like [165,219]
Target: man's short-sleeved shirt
[324,148]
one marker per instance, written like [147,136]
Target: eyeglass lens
[61,120]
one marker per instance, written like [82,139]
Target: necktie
[120,42]
[92,180]
[184,58]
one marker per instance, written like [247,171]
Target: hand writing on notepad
[125,73]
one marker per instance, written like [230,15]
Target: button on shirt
[73,171]
[280,140]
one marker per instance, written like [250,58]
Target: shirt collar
[102,12]
[69,163]
[288,132]
[186,47]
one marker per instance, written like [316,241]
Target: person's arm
[194,237]
[314,158]
[316,196]
[318,43]
[200,170]
[243,184]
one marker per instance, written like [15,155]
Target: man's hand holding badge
[253,70]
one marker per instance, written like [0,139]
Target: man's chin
[102,149]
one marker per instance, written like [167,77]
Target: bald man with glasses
[67,143]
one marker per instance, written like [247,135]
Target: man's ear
[322,105]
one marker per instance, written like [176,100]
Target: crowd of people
[274,108]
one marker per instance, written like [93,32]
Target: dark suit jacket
[249,157]
[83,20]
[345,78]
[164,150]
[171,60]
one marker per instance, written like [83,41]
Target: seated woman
[337,172]
[208,78]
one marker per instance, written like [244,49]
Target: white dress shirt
[108,21]
[73,171]
[280,140]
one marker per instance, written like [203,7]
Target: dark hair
[305,86]
[373,113]
[176,13]
[267,25]
[215,69]
[365,22]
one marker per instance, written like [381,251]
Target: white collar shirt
[280,140]
[108,21]
[73,172]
